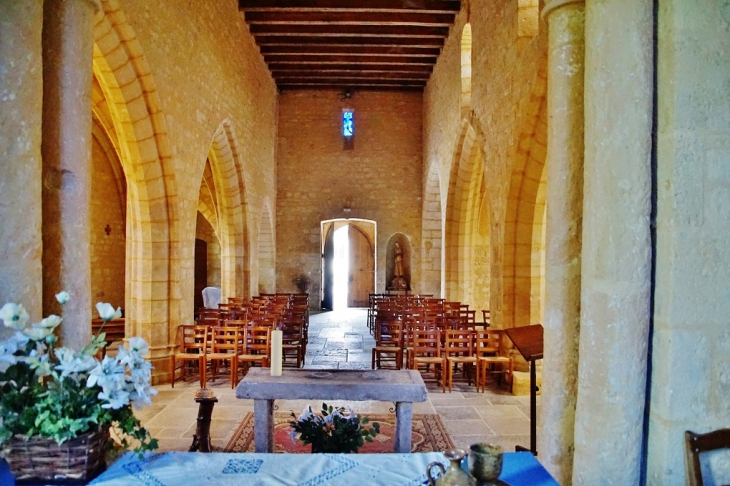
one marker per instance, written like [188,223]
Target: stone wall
[691,340]
[379,179]
[204,231]
[21,82]
[107,230]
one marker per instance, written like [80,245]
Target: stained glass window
[348,127]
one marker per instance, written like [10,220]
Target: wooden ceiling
[350,44]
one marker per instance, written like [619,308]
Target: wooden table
[400,386]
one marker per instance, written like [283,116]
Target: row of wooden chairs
[443,349]
[236,345]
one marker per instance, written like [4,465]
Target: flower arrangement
[332,431]
[54,392]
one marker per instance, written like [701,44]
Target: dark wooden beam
[348,17]
[347,30]
[348,67]
[430,5]
[355,83]
[349,41]
[330,87]
[353,50]
[341,58]
[278,75]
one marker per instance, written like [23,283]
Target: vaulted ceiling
[350,44]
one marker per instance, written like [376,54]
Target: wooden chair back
[488,343]
[696,444]
[458,343]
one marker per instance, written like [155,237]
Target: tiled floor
[341,340]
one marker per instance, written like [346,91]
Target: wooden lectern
[529,342]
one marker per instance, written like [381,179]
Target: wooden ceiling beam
[349,67]
[274,17]
[342,58]
[278,75]
[353,50]
[353,83]
[429,5]
[300,40]
[259,30]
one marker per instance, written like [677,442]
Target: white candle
[276,353]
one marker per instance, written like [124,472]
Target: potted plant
[57,405]
[332,431]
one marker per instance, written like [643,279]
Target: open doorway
[348,263]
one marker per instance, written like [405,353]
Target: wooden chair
[388,342]
[486,313]
[191,345]
[293,339]
[695,444]
[488,349]
[224,344]
[426,350]
[255,347]
[459,349]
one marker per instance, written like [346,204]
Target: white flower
[293,436]
[15,316]
[39,363]
[107,373]
[70,362]
[107,312]
[50,322]
[306,413]
[115,398]
[352,414]
[62,297]
[37,333]
[138,345]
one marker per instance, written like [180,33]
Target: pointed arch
[432,235]
[267,251]
[122,72]
[524,236]
[467,265]
[228,196]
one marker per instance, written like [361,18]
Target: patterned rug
[429,435]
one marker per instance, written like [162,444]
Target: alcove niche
[405,246]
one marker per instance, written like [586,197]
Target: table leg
[263,429]
[403,419]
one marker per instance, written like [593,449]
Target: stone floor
[341,340]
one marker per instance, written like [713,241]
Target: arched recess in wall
[432,235]
[391,261]
[107,219]
[225,192]
[524,252]
[267,252]
[138,125]
[465,97]
[207,271]
[467,243]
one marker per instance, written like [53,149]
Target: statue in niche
[399,282]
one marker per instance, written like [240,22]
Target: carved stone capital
[552,5]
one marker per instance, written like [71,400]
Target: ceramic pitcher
[454,475]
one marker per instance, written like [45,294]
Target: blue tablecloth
[193,469]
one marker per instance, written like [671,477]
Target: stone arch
[524,270]
[467,252]
[466,58]
[123,75]
[227,194]
[432,235]
[267,251]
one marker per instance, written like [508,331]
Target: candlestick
[276,353]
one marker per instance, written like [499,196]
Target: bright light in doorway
[341,269]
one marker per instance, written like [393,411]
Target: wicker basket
[38,459]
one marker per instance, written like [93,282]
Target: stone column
[66,148]
[21,88]
[565,19]
[616,268]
